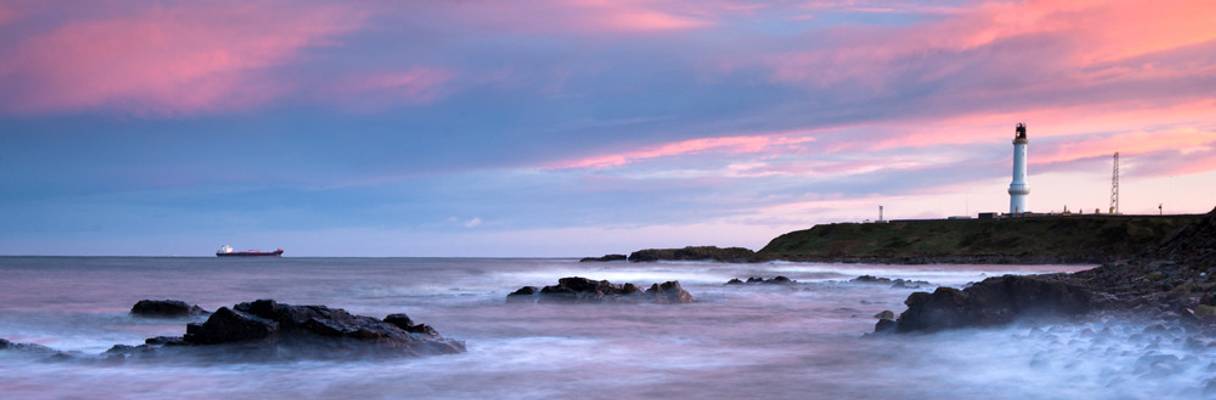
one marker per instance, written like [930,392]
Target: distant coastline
[1048,239]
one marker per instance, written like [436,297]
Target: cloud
[379,90]
[1128,143]
[7,14]
[728,144]
[473,222]
[596,17]
[179,59]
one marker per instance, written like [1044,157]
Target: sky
[580,127]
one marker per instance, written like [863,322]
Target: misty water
[804,341]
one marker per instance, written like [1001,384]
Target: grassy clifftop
[1042,239]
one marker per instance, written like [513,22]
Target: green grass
[1074,238]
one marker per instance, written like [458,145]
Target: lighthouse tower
[1019,189]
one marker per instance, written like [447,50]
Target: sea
[804,341]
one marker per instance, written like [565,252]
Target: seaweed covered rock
[166,308]
[269,329]
[583,290]
[994,301]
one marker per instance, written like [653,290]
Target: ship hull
[276,253]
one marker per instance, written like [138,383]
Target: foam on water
[800,341]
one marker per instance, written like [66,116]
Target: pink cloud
[595,17]
[419,85]
[7,14]
[1070,35]
[729,144]
[1131,143]
[185,58]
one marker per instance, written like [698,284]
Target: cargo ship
[228,251]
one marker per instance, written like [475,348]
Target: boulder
[669,292]
[605,258]
[227,325]
[734,281]
[266,329]
[884,326]
[526,294]
[885,314]
[166,308]
[583,290]
[994,301]
[405,323]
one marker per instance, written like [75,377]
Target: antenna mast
[1114,187]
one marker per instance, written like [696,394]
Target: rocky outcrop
[405,323]
[35,351]
[605,258]
[583,290]
[1038,239]
[894,283]
[669,292]
[993,301]
[166,308]
[777,280]
[695,253]
[6,345]
[272,329]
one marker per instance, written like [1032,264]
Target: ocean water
[806,341]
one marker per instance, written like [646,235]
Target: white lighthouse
[1019,189]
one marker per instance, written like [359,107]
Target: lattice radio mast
[1114,187]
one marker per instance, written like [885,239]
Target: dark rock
[884,326]
[269,330]
[909,284]
[165,341]
[525,294]
[669,292]
[871,279]
[894,283]
[583,290]
[885,314]
[778,280]
[993,301]
[166,308]
[695,253]
[227,325]
[403,321]
[605,258]
[6,345]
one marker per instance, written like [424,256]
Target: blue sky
[570,128]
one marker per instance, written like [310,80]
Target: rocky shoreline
[583,290]
[1176,281]
[266,330]
[743,255]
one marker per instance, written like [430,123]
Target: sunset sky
[579,127]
